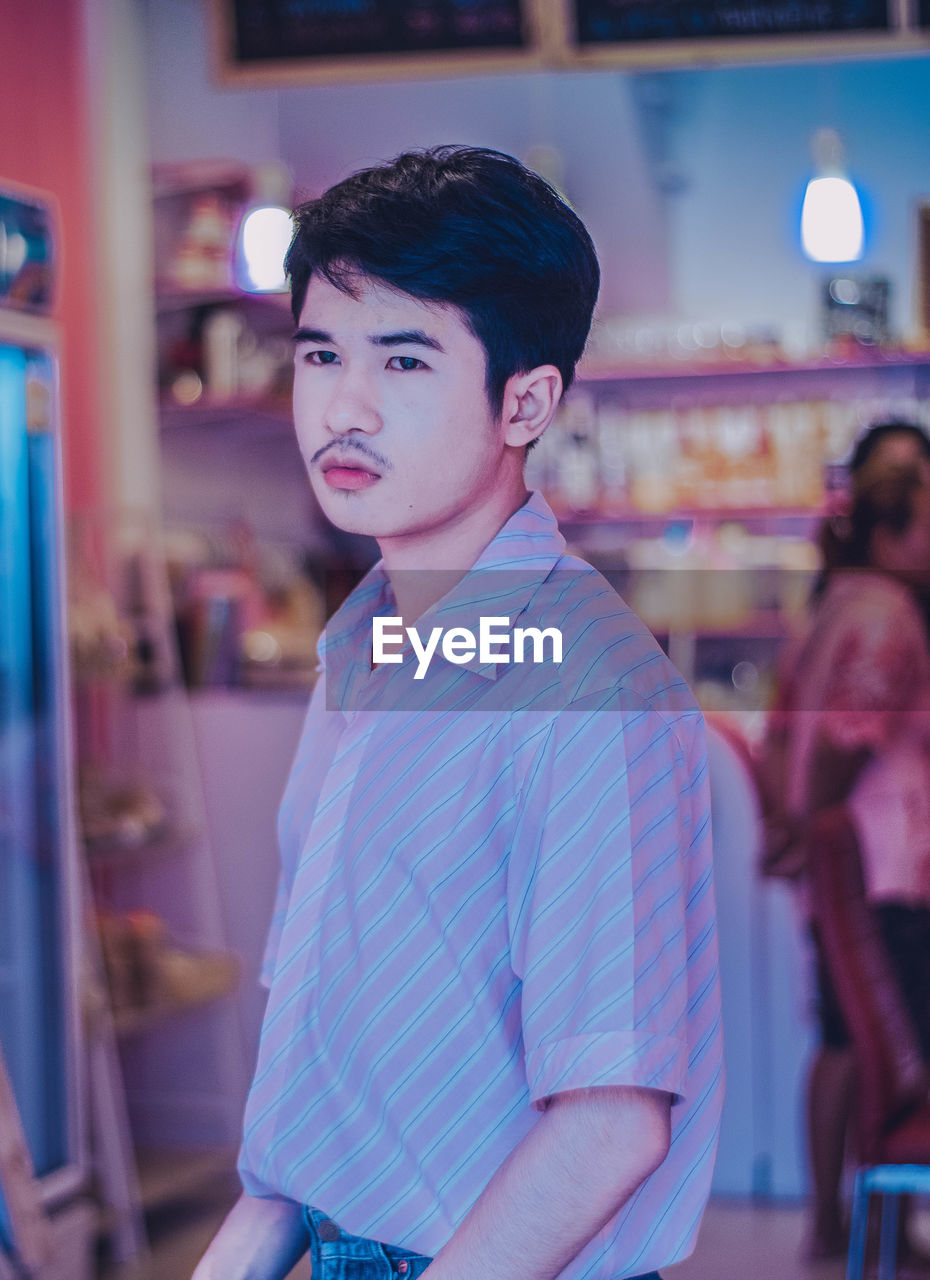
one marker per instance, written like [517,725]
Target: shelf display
[613,460]
[232,352]
[701,485]
[216,344]
[654,439]
[150,865]
[246,615]
[139,796]
[195,225]
[150,978]
[125,816]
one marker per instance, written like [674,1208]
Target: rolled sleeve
[610,1058]
[598,897]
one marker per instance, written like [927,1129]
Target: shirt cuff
[639,1058]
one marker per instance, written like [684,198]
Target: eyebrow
[312,335]
[407,337]
[402,338]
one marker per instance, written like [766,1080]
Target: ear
[530,402]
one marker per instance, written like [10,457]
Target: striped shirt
[496,885]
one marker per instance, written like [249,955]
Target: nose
[353,405]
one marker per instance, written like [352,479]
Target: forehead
[371,306]
[893,452]
[898,447]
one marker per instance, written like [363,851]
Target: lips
[340,474]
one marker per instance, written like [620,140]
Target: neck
[424,566]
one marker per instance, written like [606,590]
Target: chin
[351,521]
[348,511]
[352,518]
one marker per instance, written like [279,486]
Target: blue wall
[742,150]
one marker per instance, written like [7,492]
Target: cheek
[308,439]
[302,400]
[308,413]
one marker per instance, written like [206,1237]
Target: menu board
[265,31]
[314,41]
[600,22]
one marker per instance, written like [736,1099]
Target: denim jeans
[335,1255]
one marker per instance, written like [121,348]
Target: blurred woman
[852,726]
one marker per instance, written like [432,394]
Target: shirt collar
[527,547]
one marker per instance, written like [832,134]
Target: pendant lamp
[831,216]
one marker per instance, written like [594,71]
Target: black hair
[884,500]
[878,431]
[466,227]
[887,503]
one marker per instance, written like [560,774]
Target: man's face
[391,410]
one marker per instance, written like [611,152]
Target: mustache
[345,448]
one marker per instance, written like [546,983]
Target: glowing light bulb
[831,221]
[264,239]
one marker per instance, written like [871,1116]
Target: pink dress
[860,678]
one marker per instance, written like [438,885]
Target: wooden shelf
[868,359]
[117,854]
[694,515]
[261,413]
[277,306]
[600,535]
[167,1178]
[173,1175]
[219,976]
[181,178]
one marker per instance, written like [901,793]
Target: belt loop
[320,1226]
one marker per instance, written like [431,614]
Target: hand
[259,1240]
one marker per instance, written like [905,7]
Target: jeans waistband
[337,1255]
[323,1230]
[403,1263]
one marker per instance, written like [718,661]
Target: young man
[492,1042]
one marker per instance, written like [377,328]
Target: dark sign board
[923,13]
[621,21]
[271,30]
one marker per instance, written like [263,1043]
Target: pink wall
[45,145]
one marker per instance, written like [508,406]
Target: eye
[405,364]
[320,357]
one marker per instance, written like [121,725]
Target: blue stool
[889,1181]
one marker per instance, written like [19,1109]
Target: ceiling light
[832,229]
[265,232]
[264,237]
